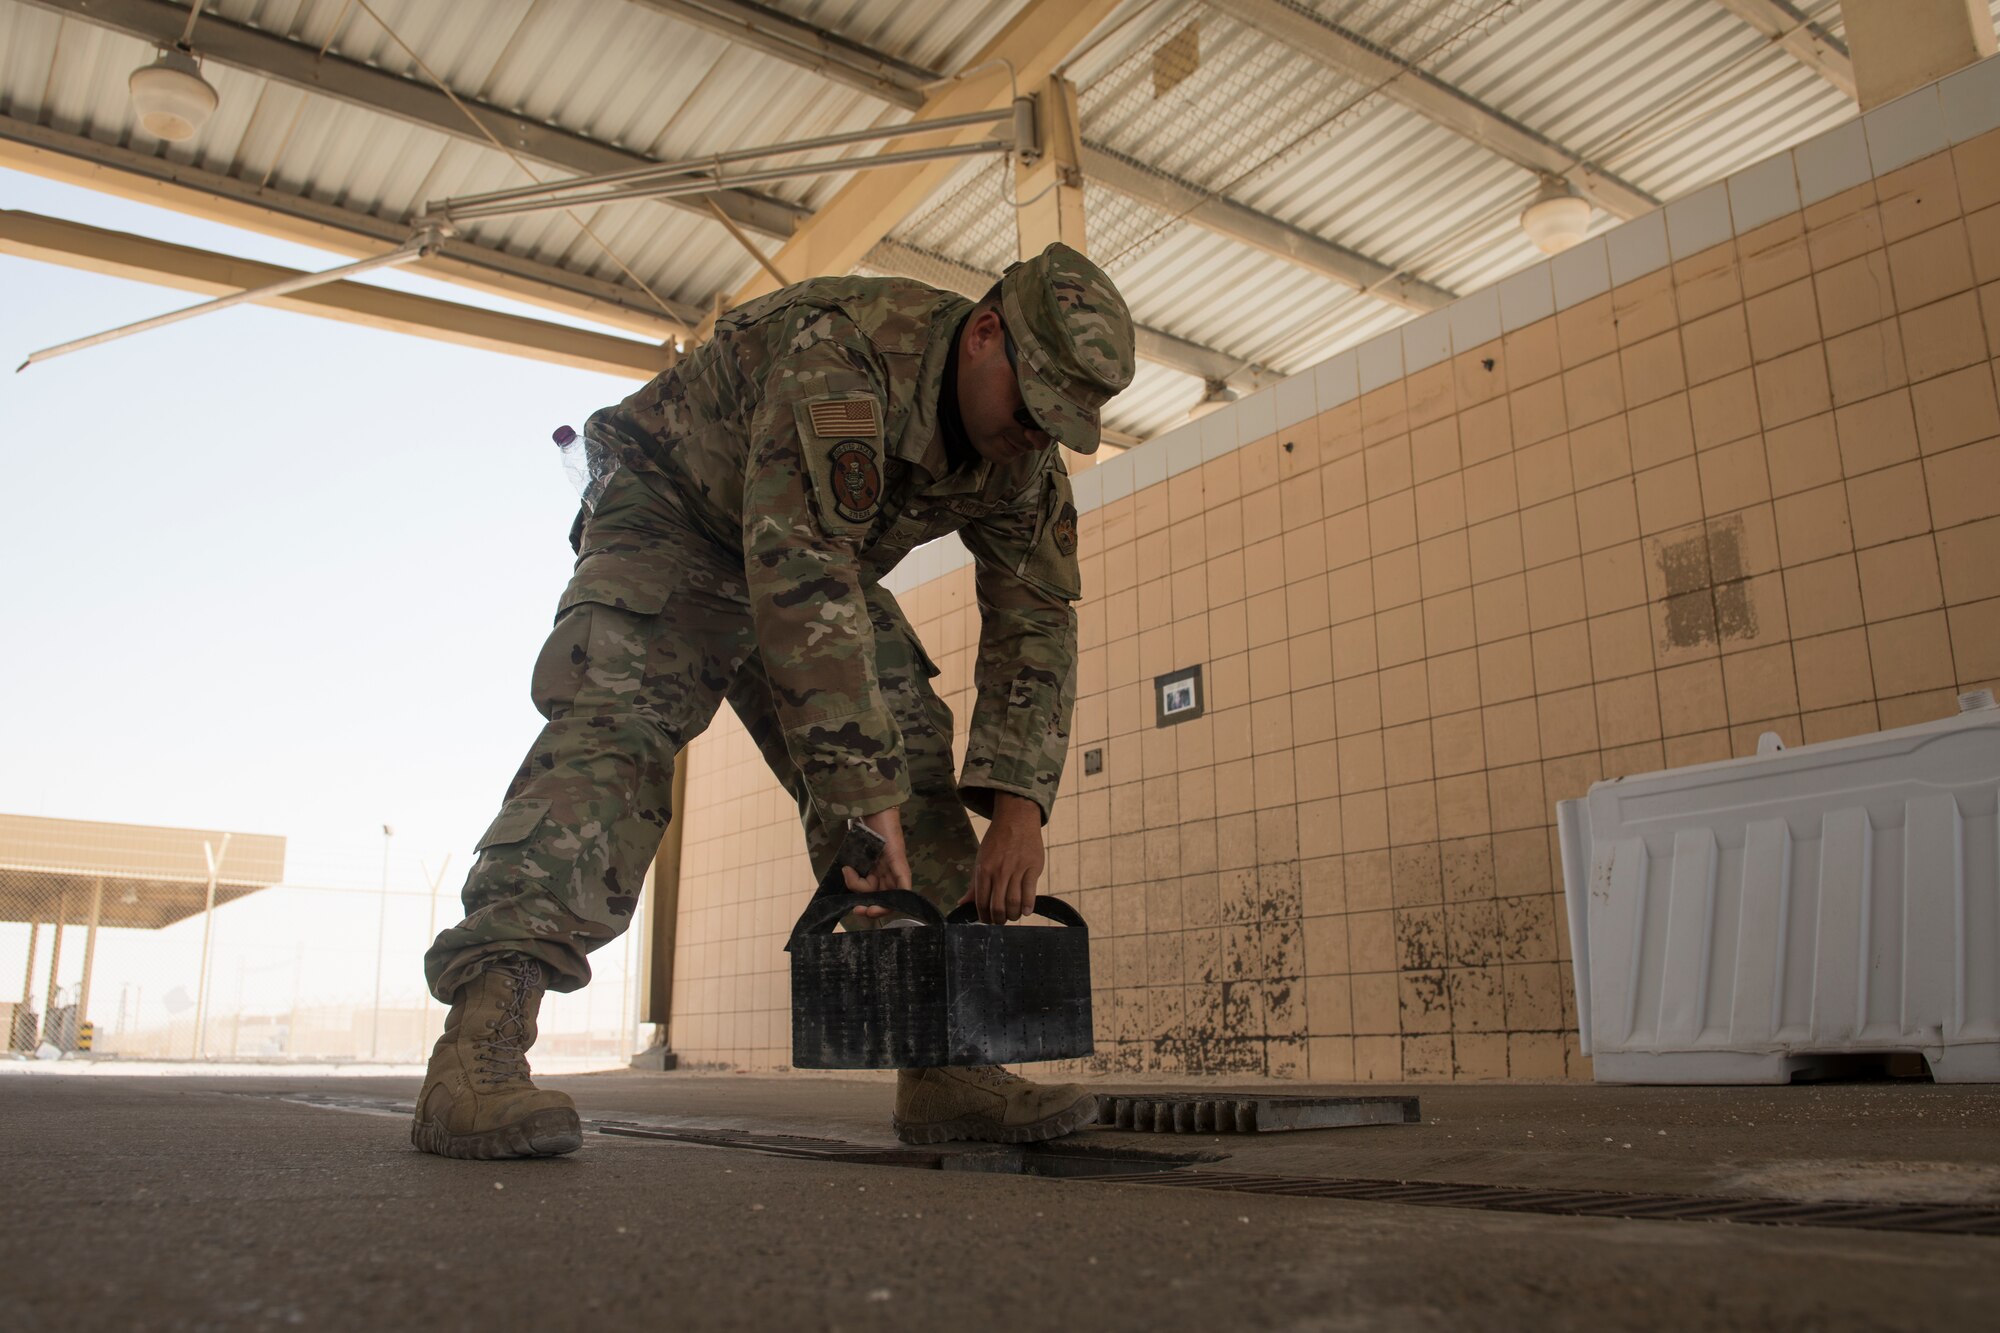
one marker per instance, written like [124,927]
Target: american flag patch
[849,416]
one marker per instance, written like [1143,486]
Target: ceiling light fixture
[1558,218]
[171,97]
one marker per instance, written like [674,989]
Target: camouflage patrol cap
[1074,336]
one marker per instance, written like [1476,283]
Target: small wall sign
[1177,696]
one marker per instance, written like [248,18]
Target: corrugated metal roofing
[1667,94]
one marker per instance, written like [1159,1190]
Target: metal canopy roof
[138,876]
[1315,174]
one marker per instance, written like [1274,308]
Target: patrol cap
[1074,338]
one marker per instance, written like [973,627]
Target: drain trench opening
[1157,1169]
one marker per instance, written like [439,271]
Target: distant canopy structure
[75,872]
[54,870]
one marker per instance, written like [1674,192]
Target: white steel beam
[119,254]
[1341,51]
[1260,231]
[797,42]
[1809,44]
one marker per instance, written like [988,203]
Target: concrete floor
[217,1203]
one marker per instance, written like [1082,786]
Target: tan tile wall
[1756,490]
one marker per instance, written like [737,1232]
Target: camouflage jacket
[805,437]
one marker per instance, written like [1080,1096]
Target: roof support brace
[1260,231]
[149,179]
[799,43]
[1340,50]
[1024,54]
[184,268]
[1809,44]
[414,248]
[637,182]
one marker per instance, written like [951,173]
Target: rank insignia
[856,482]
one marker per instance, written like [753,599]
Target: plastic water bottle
[587,463]
[574,461]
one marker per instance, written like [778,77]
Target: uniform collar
[923,441]
[920,442]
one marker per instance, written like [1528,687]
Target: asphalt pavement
[281,1199]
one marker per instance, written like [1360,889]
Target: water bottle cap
[564,435]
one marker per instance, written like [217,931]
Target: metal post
[28,977]
[381,942]
[55,957]
[214,859]
[27,982]
[89,954]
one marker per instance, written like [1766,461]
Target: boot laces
[501,1057]
[994,1075]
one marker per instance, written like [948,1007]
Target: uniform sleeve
[812,483]
[1027,581]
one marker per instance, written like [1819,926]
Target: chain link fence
[109,947]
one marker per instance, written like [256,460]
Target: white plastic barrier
[1738,922]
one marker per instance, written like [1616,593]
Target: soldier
[764,487]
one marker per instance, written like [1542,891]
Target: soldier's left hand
[1010,861]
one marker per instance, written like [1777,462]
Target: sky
[267,572]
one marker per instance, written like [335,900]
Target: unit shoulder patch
[841,417]
[1064,529]
[855,481]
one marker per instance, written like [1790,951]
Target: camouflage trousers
[652,633]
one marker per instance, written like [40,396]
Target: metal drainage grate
[1193,1113]
[1931,1218]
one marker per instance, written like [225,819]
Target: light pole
[214,856]
[381,942]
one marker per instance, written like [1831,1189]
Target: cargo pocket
[517,820]
[626,580]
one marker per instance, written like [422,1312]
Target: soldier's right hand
[892,867]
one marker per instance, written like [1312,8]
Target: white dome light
[172,98]
[1557,219]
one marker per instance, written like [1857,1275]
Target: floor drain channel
[1929,1218]
[1172,1170]
[1055,1160]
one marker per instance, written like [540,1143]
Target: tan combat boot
[476,1099]
[988,1103]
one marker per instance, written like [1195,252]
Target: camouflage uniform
[766,485]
